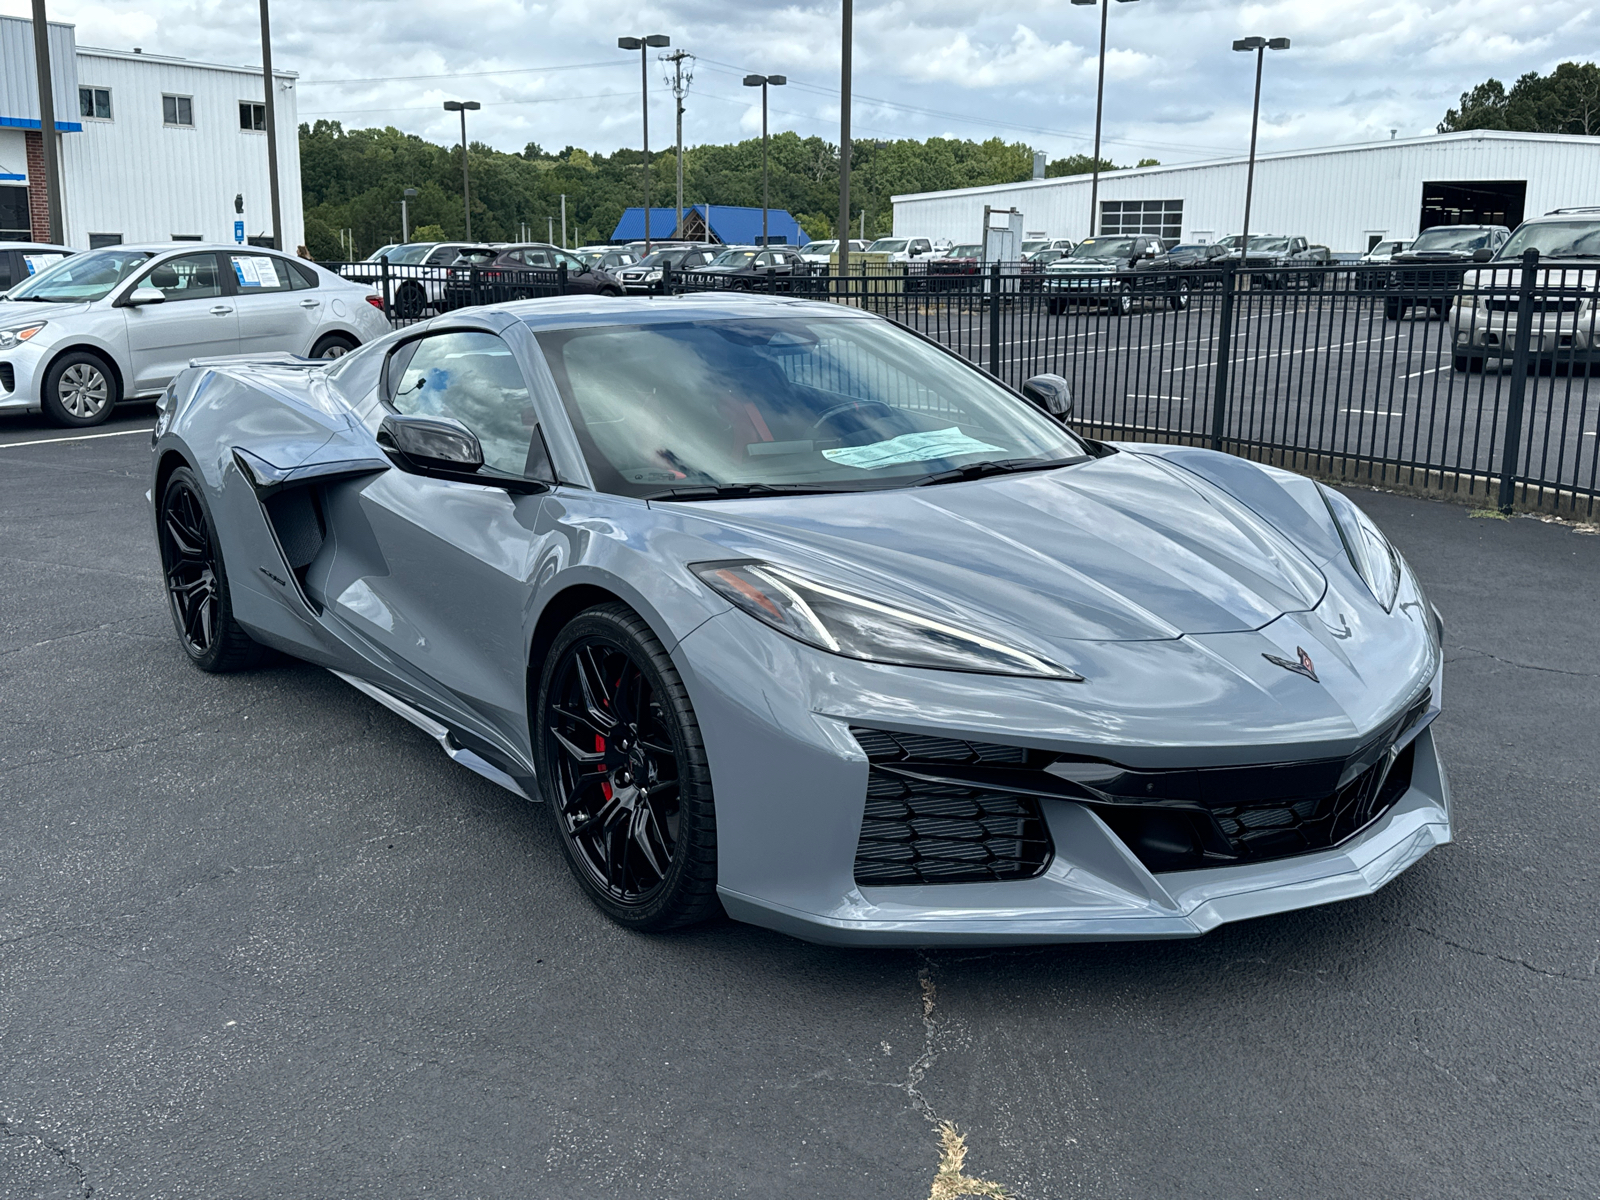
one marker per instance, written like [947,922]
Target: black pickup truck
[1429,274]
[1276,260]
[1114,273]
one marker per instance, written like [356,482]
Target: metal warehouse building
[1347,198]
[152,148]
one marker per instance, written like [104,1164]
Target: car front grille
[921,830]
[1541,304]
[942,810]
[1437,277]
[8,377]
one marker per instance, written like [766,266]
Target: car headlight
[830,619]
[18,334]
[1371,554]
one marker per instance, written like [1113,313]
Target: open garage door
[1473,202]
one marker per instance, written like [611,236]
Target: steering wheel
[849,406]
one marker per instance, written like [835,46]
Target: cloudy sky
[549,70]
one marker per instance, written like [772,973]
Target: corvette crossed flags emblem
[1303,667]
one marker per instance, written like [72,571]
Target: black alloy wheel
[197,583]
[1179,300]
[625,769]
[410,301]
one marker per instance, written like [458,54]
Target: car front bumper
[792,784]
[1556,336]
[21,369]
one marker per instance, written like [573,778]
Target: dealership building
[152,149]
[1347,198]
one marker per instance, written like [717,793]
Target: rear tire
[621,756]
[410,301]
[333,345]
[80,389]
[198,595]
[1464,363]
[1393,309]
[1179,300]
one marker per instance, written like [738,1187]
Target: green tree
[1565,101]
[1078,164]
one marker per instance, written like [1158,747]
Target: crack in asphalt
[60,1152]
[111,626]
[923,1063]
[1511,662]
[1505,958]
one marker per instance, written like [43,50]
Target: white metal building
[152,148]
[1347,198]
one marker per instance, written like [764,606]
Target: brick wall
[38,205]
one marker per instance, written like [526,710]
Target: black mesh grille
[926,831]
[8,377]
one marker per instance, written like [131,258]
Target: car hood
[1123,548]
[21,312]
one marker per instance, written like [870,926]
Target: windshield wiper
[1001,466]
[738,491]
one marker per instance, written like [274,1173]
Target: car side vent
[926,830]
[298,523]
[8,377]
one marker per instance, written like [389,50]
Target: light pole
[845,37]
[1099,109]
[643,46]
[269,93]
[1260,46]
[405,215]
[462,107]
[761,81]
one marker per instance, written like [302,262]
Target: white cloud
[1020,69]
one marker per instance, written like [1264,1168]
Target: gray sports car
[789,612]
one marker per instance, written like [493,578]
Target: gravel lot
[258,937]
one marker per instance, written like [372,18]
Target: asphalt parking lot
[258,937]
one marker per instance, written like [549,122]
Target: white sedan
[119,323]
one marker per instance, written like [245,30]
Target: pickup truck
[1429,273]
[1273,260]
[1114,273]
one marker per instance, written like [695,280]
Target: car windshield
[733,258]
[410,254]
[377,254]
[1041,244]
[664,258]
[1269,243]
[817,403]
[81,277]
[1555,239]
[1103,248]
[972,251]
[1188,250]
[888,245]
[819,247]
[1445,238]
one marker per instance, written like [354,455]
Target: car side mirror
[1051,393]
[430,445]
[1482,255]
[145,295]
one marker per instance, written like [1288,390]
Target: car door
[197,319]
[439,572]
[273,313]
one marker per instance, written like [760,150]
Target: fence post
[666,279]
[994,320]
[561,279]
[1219,386]
[473,284]
[1519,379]
[388,305]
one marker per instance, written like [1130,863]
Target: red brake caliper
[600,748]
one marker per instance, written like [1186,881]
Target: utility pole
[682,76]
[845,33]
[47,122]
[272,127]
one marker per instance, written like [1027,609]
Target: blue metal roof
[728,224]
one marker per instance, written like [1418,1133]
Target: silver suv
[1563,330]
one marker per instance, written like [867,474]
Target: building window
[98,241]
[14,224]
[1161,218]
[177,110]
[252,116]
[94,104]
[187,237]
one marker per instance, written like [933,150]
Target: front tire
[80,389]
[1179,300]
[621,755]
[410,301]
[1122,303]
[197,582]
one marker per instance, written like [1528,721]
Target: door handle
[310,303]
[221,310]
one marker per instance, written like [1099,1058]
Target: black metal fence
[1474,379]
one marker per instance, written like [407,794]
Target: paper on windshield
[908,448]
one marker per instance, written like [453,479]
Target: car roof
[567,312]
[36,246]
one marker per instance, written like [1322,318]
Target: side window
[535,257]
[573,265]
[254,274]
[187,277]
[443,256]
[473,378]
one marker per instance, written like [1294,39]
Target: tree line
[352,181]
[1565,101]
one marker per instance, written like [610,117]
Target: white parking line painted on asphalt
[82,437]
[1375,412]
[1420,374]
